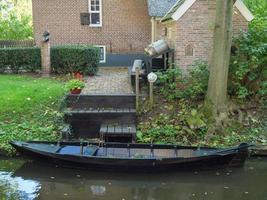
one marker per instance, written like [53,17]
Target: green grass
[29,109]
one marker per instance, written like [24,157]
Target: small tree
[15,20]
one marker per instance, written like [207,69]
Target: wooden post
[137,71]
[151,97]
[152,78]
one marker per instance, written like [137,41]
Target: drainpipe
[153,29]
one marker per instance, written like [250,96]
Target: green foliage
[64,59]
[167,82]
[198,79]
[174,85]
[75,84]
[187,124]
[70,59]
[184,126]
[29,109]
[14,28]
[27,59]
[15,20]
[259,10]
[247,72]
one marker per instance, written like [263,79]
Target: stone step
[100,101]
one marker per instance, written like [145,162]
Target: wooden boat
[133,157]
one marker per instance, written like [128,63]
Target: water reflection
[17,187]
[38,181]
[98,190]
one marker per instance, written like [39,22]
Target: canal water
[20,179]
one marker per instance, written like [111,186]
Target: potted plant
[78,75]
[75,86]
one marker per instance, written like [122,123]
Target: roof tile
[159,8]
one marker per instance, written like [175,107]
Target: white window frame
[104,49]
[94,11]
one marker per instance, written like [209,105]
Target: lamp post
[152,78]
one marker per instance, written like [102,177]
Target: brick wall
[168,32]
[126,25]
[195,29]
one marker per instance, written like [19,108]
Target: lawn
[29,109]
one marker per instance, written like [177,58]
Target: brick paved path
[109,81]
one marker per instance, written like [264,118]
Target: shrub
[197,80]
[23,58]
[248,73]
[64,59]
[167,82]
[69,59]
[175,85]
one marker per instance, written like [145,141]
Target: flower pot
[76,91]
[78,76]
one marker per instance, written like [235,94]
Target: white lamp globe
[152,77]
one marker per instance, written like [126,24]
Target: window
[165,31]
[95,10]
[102,53]
[189,50]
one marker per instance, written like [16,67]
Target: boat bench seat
[76,150]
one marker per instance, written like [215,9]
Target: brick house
[123,28]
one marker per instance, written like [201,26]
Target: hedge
[75,58]
[64,59]
[19,58]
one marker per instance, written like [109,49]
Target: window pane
[92,2]
[95,18]
[92,8]
[101,53]
[97,8]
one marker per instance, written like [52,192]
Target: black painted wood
[85,129]
[100,116]
[86,114]
[118,129]
[101,101]
[118,132]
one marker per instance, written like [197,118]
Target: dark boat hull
[233,158]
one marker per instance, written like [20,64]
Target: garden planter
[78,75]
[76,91]
[75,86]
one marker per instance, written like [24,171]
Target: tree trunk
[222,39]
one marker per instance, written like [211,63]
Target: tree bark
[222,39]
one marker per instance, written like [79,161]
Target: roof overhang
[176,12]
[243,9]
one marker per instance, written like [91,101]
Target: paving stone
[113,80]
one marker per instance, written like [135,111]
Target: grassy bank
[181,115]
[29,109]
[186,122]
